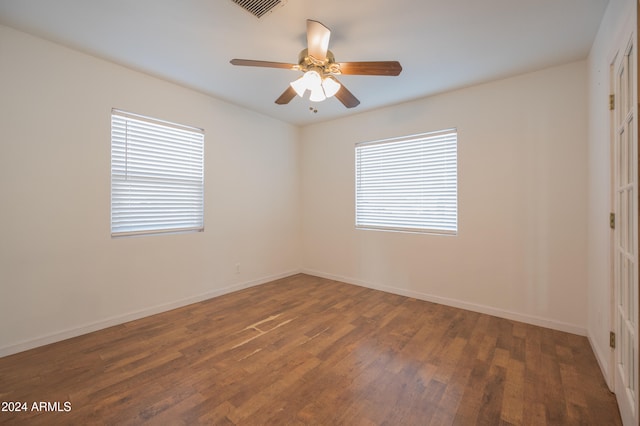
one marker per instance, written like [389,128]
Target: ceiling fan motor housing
[307,62]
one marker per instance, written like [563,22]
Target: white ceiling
[442,45]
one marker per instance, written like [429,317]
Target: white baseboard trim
[603,356]
[121,319]
[483,309]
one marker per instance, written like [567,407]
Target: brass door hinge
[612,220]
[612,102]
[612,339]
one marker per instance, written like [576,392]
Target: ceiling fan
[320,68]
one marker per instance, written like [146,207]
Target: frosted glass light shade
[317,94]
[330,86]
[300,86]
[311,80]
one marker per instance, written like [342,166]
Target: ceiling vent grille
[259,8]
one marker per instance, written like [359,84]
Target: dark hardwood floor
[306,350]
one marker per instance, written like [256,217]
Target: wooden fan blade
[286,96]
[267,64]
[346,97]
[390,68]
[317,39]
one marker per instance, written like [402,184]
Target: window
[157,176]
[408,184]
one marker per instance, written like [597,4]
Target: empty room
[333,213]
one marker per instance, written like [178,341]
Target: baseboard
[603,358]
[489,310]
[121,319]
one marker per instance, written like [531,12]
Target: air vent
[259,8]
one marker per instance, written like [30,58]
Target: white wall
[616,25]
[61,273]
[521,247]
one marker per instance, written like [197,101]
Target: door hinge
[612,220]
[612,339]
[612,102]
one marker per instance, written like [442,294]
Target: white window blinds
[408,184]
[157,176]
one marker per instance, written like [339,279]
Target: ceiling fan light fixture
[317,94]
[330,86]
[312,81]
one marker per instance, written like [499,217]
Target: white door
[626,235]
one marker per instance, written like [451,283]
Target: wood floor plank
[310,351]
